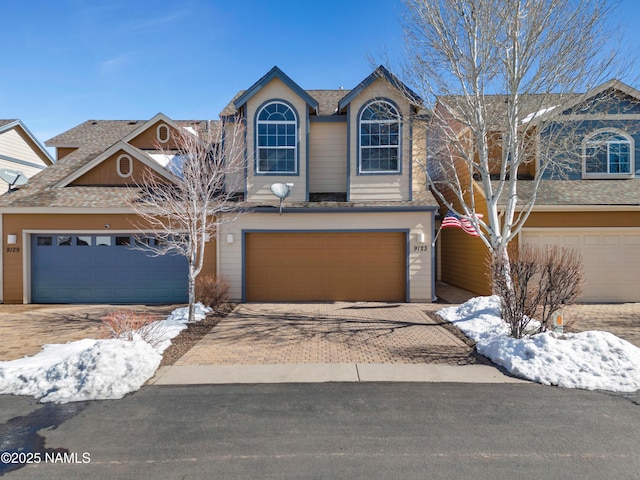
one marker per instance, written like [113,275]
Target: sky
[69,61]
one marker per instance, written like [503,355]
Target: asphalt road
[367,431]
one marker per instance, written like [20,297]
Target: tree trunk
[192,295]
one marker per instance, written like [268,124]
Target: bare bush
[212,291]
[541,282]
[130,325]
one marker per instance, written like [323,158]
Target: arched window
[608,153]
[277,139]
[379,138]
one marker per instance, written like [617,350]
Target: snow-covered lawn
[592,360]
[92,369]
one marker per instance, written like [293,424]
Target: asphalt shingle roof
[92,138]
[327,101]
[625,192]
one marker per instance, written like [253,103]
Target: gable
[106,173]
[381,75]
[609,102]
[19,147]
[275,74]
[155,137]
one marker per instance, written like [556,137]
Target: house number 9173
[419,248]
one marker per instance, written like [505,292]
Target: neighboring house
[357,225]
[70,227]
[20,150]
[593,204]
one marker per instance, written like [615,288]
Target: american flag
[454,220]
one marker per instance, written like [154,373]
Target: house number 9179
[13,249]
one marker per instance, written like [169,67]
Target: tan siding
[419,153]
[379,187]
[258,187]
[105,173]
[25,169]
[328,157]
[234,149]
[230,260]
[15,144]
[15,224]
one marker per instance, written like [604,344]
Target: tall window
[379,138]
[277,141]
[608,154]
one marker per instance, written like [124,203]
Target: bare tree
[184,209]
[494,73]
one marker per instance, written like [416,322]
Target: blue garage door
[68,268]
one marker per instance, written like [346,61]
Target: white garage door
[611,259]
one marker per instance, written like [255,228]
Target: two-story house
[356,226]
[589,198]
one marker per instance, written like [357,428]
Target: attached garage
[611,259]
[86,268]
[326,266]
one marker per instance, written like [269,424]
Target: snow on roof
[171,162]
[537,114]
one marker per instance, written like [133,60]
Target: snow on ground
[109,369]
[92,369]
[591,360]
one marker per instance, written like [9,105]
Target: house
[20,150]
[592,203]
[356,226]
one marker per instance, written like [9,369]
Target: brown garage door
[325,266]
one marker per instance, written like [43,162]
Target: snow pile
[92,369]
[589,360]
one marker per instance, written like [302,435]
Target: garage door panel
[611,260]
[325,266]
[104,274]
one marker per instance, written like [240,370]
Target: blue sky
[67,61]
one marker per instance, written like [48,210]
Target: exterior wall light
[12,239]
[420,238]
[230,238]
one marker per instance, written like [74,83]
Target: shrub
[536,283]
[127,325]
[212,291]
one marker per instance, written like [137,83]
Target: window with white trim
[379,125]
[277,139]
[608,154]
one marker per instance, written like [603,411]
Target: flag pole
[435,239]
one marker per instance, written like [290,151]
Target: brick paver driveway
[329,333]
[621,319]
